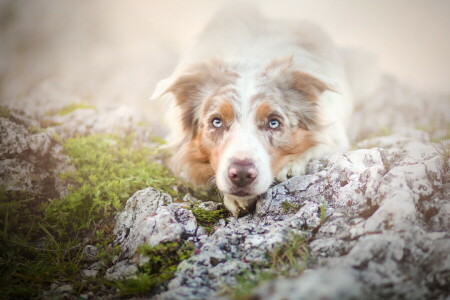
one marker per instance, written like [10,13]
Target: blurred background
[113,52]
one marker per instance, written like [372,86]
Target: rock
[90,252]
[67,288]
[150,218]
[375,219]
[30,161]
[13,138]
[323,283]
[89,273]
[121,270]
[122,120]
[209,205]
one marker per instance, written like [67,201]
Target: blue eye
[274,124]
[217,122]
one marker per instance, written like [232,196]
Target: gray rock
[13,138]
[150,218]
[336,283]
[67,288]
[209,205]
[90,252]
[377,238]
[29,161]
[89,273]
[121,270]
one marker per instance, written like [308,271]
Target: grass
[41,240]
[4,112]
[323,212]
[444,151]
[70,108]
[287,259]
[31,256]
[162,263]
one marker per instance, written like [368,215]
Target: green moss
[323,212]
[290,207]
[249,280]
[4,112]
[70,108]
[108,172]
[41,239]
[162,263]
[287,259]
[208,218]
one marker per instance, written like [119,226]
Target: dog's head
[242,125]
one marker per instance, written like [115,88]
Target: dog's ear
[308,85]
[195,85]
[300,90]
[287,78]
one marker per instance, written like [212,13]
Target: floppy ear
[193,87]
[300,91]
[308,85]
[287,78]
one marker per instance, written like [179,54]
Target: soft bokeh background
[113,52]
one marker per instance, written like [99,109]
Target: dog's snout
[242,172]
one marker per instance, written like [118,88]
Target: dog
[252,101]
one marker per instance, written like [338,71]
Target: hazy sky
[410,37]
[116,50]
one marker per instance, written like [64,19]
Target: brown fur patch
[300,140]
[197,161]
[198,81]
[227,112]
[289,78]
[263,111]
[308,85]
[204,150]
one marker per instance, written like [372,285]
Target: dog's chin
[240,203]
[241,194]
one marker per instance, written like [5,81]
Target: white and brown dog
[255,100]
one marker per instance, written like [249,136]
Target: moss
[290,207]
[208,218]
[70,108]
[323,212]
[4,112]
[41,239]
[287,259]
[249,280]
[162,263]
[108,172]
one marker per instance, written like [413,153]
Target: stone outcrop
[384,229]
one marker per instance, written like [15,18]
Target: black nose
[242,172]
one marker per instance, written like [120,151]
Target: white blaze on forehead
[244,141]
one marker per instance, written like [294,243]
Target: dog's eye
[274,123]
[216,122]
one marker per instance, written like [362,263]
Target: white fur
[250,42]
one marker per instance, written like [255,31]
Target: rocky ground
[373,222]
[385,233]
